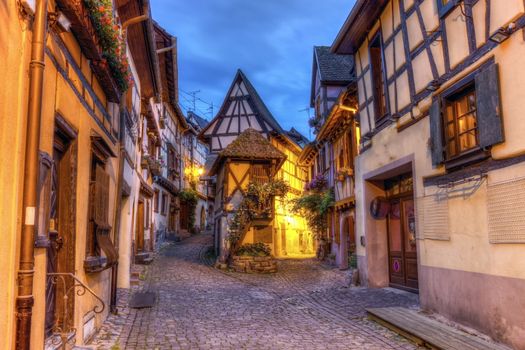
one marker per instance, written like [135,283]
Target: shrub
[254,249]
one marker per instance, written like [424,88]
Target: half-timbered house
[168,179]
[83,108]
[439,177]
[244,109]
[332,153]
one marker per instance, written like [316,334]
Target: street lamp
[193,173]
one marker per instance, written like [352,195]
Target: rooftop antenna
[193,95]
[210,109]
[308,109]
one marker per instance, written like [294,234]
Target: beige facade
[464,185]
[79,165]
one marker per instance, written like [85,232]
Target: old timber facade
[242,110]
[331,155]
[439,177]
[87,156]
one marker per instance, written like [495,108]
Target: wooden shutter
[101,202]
[490,125]
[436,134]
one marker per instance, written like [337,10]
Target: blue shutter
[490,125]
[436,134]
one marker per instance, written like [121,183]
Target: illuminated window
[461,134]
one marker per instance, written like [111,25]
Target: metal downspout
[25,299]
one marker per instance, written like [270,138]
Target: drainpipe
[25,299]
[120,179]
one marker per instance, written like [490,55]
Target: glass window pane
[450,130]
[472,101]
[462,125]
[450,112]
[471,121]
[462,106]
[452,148]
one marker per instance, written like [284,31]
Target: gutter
[25,299]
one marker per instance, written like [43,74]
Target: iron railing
[65,332]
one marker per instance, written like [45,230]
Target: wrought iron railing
[64,331]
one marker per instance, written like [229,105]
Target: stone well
[254,264]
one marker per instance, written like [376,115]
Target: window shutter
[490,126]
[436,134]
[101,203]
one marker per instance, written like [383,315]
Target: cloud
[270,40]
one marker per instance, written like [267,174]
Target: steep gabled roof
[249,145]
[266,114]
[263,111]
[201,122]
[297,137]
[334,68]
[357,25]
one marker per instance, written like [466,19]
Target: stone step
[428,332]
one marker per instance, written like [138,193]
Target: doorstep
[428,332]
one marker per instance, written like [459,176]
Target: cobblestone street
[304,306]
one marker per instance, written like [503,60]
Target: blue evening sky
[270,40]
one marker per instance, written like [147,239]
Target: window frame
[473,154]
[163,203]
[380,105]
[156,195]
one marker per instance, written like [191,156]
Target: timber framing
[103,124]
[356,33]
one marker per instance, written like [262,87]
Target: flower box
[85,31]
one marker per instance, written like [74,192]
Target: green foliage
[110,40]
[190,198]
[257,203]
[254,249]
[314,207]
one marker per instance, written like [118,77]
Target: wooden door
[61,232]
[402,244]
[140,227]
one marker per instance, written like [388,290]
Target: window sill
[473,156]
[95,264]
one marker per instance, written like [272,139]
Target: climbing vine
[256,203]
[190,198]
[315,204]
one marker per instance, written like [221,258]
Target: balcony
[85,33]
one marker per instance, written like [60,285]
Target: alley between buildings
[306,305]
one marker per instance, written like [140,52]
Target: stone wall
[254,264]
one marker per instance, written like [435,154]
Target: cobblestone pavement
[305,305]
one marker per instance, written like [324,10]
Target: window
[460,123]
[466,121]
[173,169]
[164,203]
[99,228]
[156,201]
[376,63]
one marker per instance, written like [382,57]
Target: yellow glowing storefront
[294,239]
